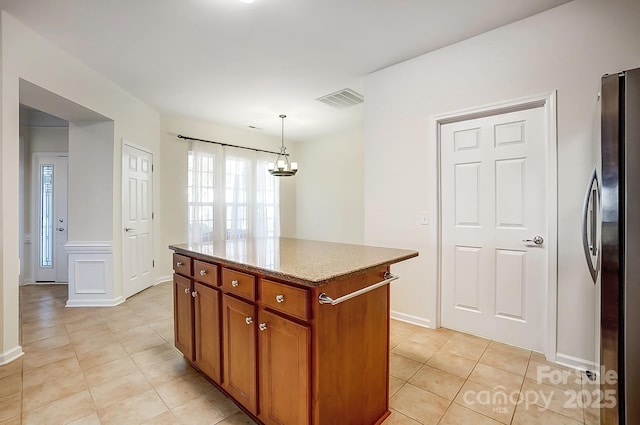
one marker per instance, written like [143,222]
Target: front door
[51,172]
[494,260]
[137,203]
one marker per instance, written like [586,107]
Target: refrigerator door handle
[589,227]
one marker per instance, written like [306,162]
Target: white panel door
[137,202]
[50,172]
[493,199]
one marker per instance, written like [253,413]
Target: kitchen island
[295,331]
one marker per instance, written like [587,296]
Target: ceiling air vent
[342,98]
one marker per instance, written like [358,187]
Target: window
[231,195]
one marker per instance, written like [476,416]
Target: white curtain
[231,194]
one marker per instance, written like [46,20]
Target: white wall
[49,139]
[566,49]
[330,188]
[173,163]
[27,56]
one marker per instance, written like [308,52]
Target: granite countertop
[311,263]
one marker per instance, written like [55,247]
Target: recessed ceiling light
[247,1]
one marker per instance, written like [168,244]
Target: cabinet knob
[249,320]
[194,294]
[186,290]
[235,283]
[262,326]
[179,264]
[203,272]
[280,298]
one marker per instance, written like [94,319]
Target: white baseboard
[11,355]
[574,362]
[163,279]
[94,302]
[414,320]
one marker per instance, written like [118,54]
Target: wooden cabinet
[281,355]
[284,355]
[239,351]
[206,312]
[183,315]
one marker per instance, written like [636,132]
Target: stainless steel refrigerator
[618,257]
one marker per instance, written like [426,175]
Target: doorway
[49,185]
[497,222]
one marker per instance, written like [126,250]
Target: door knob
[536,240]
[60,229]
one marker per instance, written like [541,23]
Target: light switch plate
[424,218]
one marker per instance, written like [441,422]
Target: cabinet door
[239,333]
[206,305]
[283,350]
[183,315]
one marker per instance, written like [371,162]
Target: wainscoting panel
[91,275]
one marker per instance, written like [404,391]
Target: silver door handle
[591,246]
[128,229]
[538,240]
[325,299]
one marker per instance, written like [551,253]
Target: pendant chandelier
[283,167]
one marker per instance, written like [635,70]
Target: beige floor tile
[92,323]
[564,402]
[421,405]
[437,381]
[453,364]
[528,414]
[10,406]
[134,410]
[47,343]
[142,343]
[397,418]
[105,372]
[110,351]
[467,346]
[33,359]
[91,419]
[51,371]
[16,420]
[458,415]
[394,385]
[238,418]
[95,331]
[63,411]
[164,328]
[492,377]
[418,351]
[402,367]
[94,343]
[11,384]
[160,373]
[52,390]
[166,418]
[591,415]
[11,368]
[127,326]
[42,333]
[153,356]
[213,405]
[497,404]
[436,338]
[183,389]
[119,389]
[545,372]
[513,361]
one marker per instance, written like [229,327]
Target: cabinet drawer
[182,264]
[205,272]
[285,298]
[241,284]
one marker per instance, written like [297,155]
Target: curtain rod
[180,136]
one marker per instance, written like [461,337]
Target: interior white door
[494,262]
[137,205]
[50,188]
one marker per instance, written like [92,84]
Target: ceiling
[244,64]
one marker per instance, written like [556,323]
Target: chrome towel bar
[325,299]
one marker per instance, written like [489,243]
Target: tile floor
[118,366]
